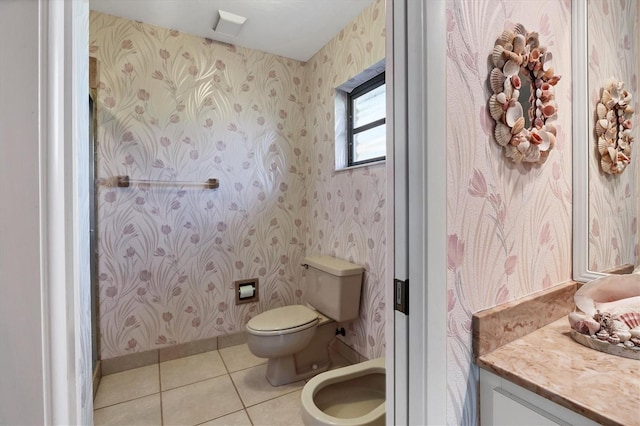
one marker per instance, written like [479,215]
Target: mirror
[525,97]
[605,206]
[523,103]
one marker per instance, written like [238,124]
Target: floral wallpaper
[508,226]
[175,107]
[347,208]
[613,214]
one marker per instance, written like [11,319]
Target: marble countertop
[599,386]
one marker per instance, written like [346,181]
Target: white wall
[21,346]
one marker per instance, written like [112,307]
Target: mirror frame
[581,150]
[521,144]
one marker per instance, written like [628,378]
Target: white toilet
[296,338]
[347,396]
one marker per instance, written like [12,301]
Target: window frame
[357,92]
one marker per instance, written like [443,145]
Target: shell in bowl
[616,294]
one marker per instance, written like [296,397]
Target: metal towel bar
[124,181]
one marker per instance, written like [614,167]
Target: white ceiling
[292,28]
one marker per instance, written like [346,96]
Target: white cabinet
[505,403]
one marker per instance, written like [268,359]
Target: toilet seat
[284,320]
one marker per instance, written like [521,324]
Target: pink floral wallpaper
[508,226]
[347,212]
[175,107]
[613,214]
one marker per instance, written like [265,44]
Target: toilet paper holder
[247,291]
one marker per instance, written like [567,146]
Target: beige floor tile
[337,361]
[191,369]
[127,385]
[240,357]
[141,411]
[239,418]
[254,388]
[200,402]
[284,410]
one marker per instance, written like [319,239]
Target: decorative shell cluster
[516,52]
[608,313]
[622,329]
[613,128]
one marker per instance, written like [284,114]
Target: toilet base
[281,371]
[312,360]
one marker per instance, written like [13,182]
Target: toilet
[296,338]
[347,396]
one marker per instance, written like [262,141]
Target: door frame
[426,77]
[417,212]
[418,29]
[64,210]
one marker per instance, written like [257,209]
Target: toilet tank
[333,286]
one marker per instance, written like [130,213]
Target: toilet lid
[284,318]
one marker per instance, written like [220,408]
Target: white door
[418,176]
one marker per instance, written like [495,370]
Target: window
[366,122]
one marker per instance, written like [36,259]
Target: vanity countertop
[599,386]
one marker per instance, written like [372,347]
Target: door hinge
[401,295]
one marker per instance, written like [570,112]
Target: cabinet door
[510,410]
[505,403]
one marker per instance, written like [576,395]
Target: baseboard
[346,351]
[97,375]
[168,353]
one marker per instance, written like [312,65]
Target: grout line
[160,387]
[241,369]
[249,417]
[275,397]
[197,381]
[223,363]
[244,407]
[228,373]
[247,368]
[224,415]
[238,393]
[128,400]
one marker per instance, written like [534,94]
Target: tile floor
[223,387]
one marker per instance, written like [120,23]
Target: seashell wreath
[607,316]
[516,52]
[613,128]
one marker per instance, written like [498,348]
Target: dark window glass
[366,121]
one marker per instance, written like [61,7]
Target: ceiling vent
[229,24]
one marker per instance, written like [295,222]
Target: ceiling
[291,28]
